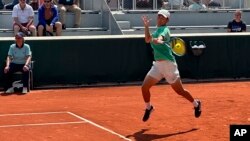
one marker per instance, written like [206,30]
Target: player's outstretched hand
[145,20]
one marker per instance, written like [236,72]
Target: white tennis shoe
[25,90]
[10,90]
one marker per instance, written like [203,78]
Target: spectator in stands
[1,4]
[48,19]
[35,4]
[237,25]
[172,4]
[213,3]
[197,5]
[187,3]
[11,5]
[23,15]
[18,59]
[70,6]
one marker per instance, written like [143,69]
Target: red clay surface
[120,109]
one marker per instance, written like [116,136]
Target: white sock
[195,103]
[148,105]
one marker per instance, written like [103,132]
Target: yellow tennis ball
[178,45]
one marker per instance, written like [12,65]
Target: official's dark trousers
[9,75]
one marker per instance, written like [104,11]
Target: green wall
[85,61]
[112,59]
[225,56]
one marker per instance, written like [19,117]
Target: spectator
[187,3]
[48,20]
[213,3]
[172,4]
[18,59]
[237,25]
[34,4]
[23,15]
[11,5]
[69,6]
[1,4]
[197,5]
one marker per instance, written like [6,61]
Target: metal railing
[174,4]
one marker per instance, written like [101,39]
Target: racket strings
[178,47]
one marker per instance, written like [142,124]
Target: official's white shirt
[22,15]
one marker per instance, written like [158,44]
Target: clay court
[114,114]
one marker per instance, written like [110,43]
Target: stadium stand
[94,25]
[99,19]
[183,21]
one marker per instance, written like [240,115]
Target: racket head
[178,46]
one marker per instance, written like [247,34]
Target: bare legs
[147,84]
[177,87]
[32,29]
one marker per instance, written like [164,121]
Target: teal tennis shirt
[19,55]
[162,51]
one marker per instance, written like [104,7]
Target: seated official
[18,59]
[48,19]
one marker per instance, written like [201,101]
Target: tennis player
[164,66]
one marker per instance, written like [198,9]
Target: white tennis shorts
[164,69]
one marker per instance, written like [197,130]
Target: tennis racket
[177,45]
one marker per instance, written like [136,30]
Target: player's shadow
[142,136]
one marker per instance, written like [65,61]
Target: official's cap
[20,35]
[164,13]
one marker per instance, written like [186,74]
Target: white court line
[42,124]
[42,113]
[38,124]
[99,126]
[83,120]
